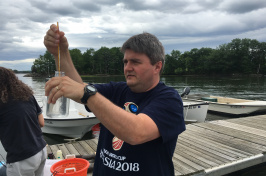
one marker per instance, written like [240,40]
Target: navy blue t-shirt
[116,157]
[21,133]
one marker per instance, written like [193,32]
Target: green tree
[44,65]
[171,63]
[77,59]
[241,56]
[89,66]
[116,62]
[262,58]
[102,60]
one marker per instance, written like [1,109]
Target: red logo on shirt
[117,143]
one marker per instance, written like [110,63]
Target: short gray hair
[148,44]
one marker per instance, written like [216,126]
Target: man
[141,138]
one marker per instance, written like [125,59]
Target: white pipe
[234,166]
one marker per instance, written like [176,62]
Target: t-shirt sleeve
[38,108]
[166,110]
[102,89]
[109,91]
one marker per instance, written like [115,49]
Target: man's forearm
[67,66]
[131,128]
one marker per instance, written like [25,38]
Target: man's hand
[63,86]
[54,37]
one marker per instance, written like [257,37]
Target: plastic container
[51,156]
[70,167]
[59,154]
[61,107]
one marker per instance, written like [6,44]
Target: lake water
[253,88]
[238,87]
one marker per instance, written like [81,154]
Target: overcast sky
[179,25]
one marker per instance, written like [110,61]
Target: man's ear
[158,66]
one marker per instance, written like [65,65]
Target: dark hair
[11,88]
[148,44]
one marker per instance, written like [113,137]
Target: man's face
[140,74]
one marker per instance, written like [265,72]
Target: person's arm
[54,37]
[131,128]
[41,120]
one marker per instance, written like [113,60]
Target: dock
[211,148]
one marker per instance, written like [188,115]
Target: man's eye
[135,62]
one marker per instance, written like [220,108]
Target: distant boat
[227,105]
[75,125]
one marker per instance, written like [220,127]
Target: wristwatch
[89,90]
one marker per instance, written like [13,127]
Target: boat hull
[231,106]
[78,122]
[236,109]
[195,111]
[73,128]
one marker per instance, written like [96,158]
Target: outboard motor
[186,91]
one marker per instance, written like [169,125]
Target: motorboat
[228,105]
[194,111]
[75,125]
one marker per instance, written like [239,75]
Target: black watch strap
[89,90]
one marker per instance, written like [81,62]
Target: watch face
[90,88]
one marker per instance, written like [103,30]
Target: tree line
[240,56]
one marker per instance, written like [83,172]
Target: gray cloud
[87,6]
[180,25]
[244,6]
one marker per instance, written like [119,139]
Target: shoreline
[36,75]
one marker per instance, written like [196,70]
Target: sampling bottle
[61,107]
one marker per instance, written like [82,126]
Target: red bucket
[70,167]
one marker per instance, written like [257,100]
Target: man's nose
[128,67]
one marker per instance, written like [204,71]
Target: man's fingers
[52,36]
[54,28]
[61,33]
[50,43]
[54,95]
[52,83]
